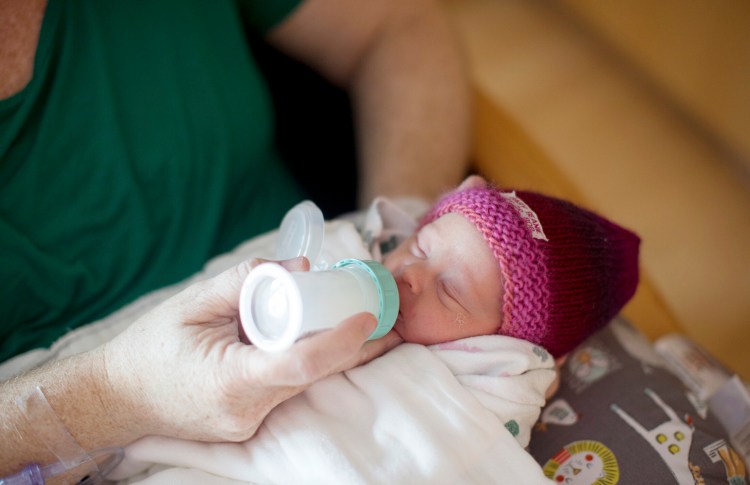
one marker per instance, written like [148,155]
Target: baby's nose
[410,278]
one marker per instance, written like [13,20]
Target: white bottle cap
[301,233]
[271,307]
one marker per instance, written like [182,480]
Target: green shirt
[142,146]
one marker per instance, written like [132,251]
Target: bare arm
[77,391]
[407,76]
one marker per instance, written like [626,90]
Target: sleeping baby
[518,264]
[493,286]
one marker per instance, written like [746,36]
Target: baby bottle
[277,306]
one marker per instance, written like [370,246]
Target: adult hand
[184,371]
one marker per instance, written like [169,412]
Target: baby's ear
[472,181]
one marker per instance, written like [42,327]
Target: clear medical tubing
[34,474]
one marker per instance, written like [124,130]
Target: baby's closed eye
[416,250]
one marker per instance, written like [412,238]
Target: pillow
[621,416]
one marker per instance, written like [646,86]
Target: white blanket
[443,414]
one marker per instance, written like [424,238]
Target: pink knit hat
[567,271]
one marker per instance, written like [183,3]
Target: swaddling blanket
[459,412]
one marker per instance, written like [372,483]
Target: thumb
[225,287]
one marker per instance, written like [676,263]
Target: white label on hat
[528,215]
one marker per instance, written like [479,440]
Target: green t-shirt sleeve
[263,15]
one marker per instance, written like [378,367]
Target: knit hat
[567,271]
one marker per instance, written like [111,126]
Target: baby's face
[448,281]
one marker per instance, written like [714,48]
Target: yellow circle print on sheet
[583,463]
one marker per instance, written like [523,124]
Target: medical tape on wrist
[50,430]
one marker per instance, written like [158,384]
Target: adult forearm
[77,391]
[412,104]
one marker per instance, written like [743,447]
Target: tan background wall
[696,52]
[564,109]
